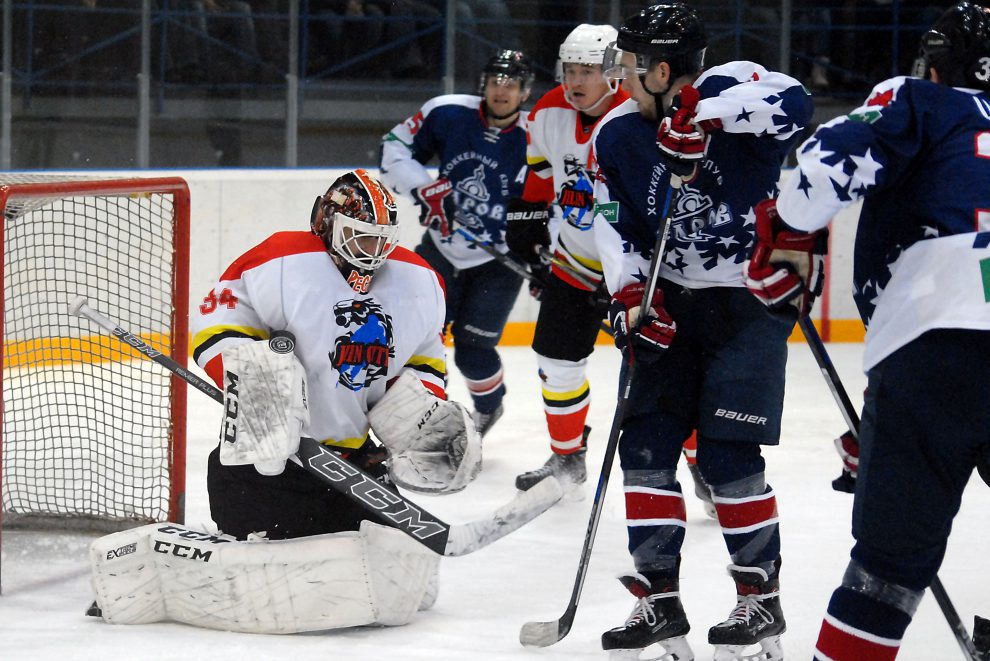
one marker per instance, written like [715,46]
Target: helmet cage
[357,219]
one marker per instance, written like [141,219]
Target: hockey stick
[391,507]
[520,269]
[852,419]
[543,634]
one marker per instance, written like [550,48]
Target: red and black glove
[680,138]
[647,337]
[787,267]
[527,229]
[436,205]
[848,448]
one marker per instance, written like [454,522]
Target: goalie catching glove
[433,442]
[265,407]
[787,267]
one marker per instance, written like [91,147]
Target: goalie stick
[389,506]
[852,419]
[544,634]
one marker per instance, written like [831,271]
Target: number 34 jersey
[350,344]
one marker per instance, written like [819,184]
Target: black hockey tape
[282,342]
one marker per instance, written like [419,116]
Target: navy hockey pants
[926,423]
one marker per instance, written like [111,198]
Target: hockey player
[363,311]
[707,357]
[558,179]
[480,143]
[916,153]
[367,318]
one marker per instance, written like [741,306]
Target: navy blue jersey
[486,164]
[761,113]
[918,155]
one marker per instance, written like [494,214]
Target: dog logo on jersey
[361,355]
[576,196]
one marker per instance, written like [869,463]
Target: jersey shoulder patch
[278,245]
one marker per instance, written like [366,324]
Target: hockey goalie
[334,334]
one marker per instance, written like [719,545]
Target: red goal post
[93,436]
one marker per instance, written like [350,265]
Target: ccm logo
[741,417]
[182,551]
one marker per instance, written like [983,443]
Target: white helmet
[586,44]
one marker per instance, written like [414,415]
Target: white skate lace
[746,608]
[643,610]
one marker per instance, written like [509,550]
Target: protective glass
[614,69]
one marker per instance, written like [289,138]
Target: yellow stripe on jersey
[211,333]
[437,365]
[348,443]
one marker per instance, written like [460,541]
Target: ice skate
[752,631]
[703,491]
[655,629]
[570,469]
[483,422]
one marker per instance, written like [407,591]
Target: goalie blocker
[168,572]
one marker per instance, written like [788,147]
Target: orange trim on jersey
[538,189]
[214,370]
[435,389]
[376,194]
[280,244]
[401,254]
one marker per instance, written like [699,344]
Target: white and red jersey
[558,155]
[350,344]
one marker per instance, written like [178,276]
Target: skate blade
[672,649]
[770,650]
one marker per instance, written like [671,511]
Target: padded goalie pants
[293,504]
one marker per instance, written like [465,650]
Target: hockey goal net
[93,435]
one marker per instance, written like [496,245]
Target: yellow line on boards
[52,351]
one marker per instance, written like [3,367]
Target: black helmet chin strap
[489,113]
[658,96]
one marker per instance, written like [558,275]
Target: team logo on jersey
[361,355]
[576,196]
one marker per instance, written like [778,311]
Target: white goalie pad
[168,572]
[434,445]
[265,407]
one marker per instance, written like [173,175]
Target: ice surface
[485,597]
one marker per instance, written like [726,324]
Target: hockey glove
[436,205]
[848,448]
[682,140]
[786,267]
[527,229]
[647,338]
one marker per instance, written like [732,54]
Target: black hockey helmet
[357,218]
[958,47]
[667,32]
[508,64]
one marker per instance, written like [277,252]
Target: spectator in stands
[340,32]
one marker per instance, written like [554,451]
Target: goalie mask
[958,48]
[358,221]
[668,32]
[585,46]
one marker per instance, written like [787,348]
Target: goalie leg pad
[434,445]
[169,572]
[265,407]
